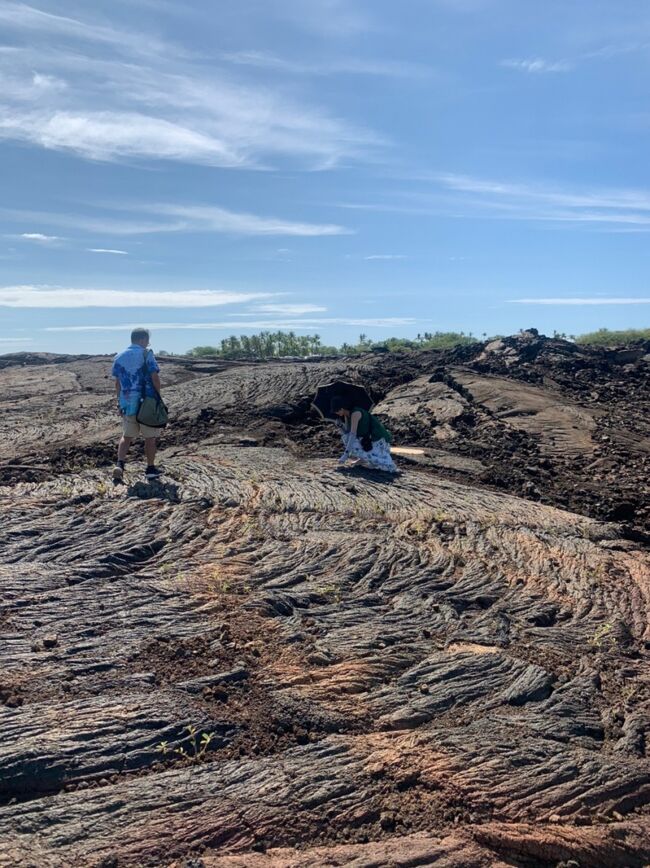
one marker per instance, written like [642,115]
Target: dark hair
[339,403]
[138,335]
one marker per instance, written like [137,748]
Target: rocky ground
[265,661]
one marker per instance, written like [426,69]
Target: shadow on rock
[370,473]
[155,490]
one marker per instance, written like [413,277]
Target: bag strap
[147,376]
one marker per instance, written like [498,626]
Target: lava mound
[262,660]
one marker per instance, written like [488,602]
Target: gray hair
[138,335]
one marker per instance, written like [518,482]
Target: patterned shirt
[128,369]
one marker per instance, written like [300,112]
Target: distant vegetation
[267,345]
[606,338]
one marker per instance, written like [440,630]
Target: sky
[331,167]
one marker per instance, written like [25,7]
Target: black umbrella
[351,394]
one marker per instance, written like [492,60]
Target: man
[128,370]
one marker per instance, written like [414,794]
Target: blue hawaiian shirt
[128,369]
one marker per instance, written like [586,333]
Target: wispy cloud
[579,301]
[109,225]
[22,17]
[112,135]
[526,201]
[306,324]
[181,218]
[107,250]
[209,218]
[38,237]
[538,65]
[336,66]
[143,99]
[386,256]
[74,297]
[605,51]
[329,18]
[290,309]
[459,196]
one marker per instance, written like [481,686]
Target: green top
[369,424]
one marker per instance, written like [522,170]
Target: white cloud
[579,301]
[327,18]
[22,17]
[208,218]
[159,106]
[189,218]
[306,324]
[538,64]
[386,256]
[73,297]
[105,225]
[111,135]
[38,236]
[107,250]
[340,66]
[465,196]
[15,340]
[607,198]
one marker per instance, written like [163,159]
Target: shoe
[153,472]
[118,472]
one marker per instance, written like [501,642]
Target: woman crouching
[365,439]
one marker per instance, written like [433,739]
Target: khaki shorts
[131,428]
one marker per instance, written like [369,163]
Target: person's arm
[351,435]
[155,379]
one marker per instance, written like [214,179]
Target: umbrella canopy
[352,394]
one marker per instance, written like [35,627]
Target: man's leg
[123,448]
[129,431]
[150,450]
[150,435]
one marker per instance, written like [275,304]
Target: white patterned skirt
[379,457]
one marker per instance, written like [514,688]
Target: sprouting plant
[629,692]
[602,636]
[441,515]
[196,745]
[331,592]
[101,488]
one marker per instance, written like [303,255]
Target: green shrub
[607,338]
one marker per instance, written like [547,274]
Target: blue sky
[326,166]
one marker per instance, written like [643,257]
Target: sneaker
[118,472]
[153,472]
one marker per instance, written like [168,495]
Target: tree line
[268,345]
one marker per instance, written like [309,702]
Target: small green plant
[602,637]
[101,488]
[629,692]
[331,592]
[193,747]
[440,515]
